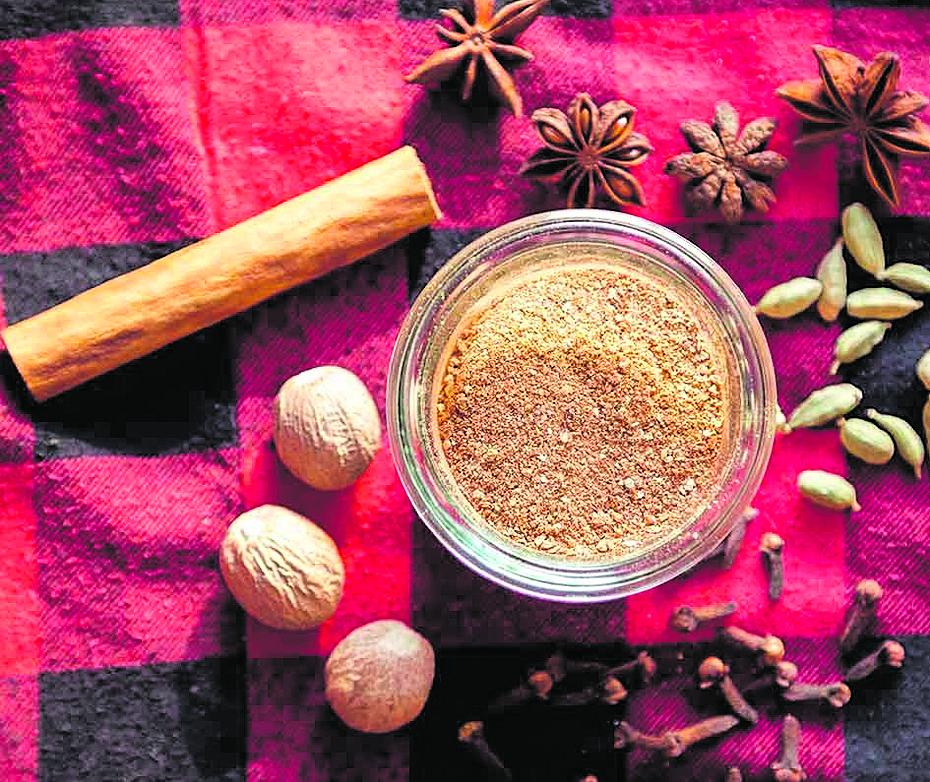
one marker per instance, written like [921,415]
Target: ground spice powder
[583,412]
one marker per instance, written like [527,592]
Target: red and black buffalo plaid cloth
[131,127]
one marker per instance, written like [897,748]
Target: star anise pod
[726,170]
[852,97]
[482,36]
[590,149]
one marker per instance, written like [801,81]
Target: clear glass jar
[423,346]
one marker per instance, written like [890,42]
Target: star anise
[852,97]
[727,171]
[589,148]
[482,36]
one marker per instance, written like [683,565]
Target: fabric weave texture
[128,129]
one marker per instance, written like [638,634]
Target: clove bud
[769,648]
[673,742]
[890,653]
[684,737]
[471,736]
[686,619]
[788,768]
[608,690]
[862,615]
[537,687]
[713,672]
[644,666]
[771,547]
[731,546]
[780,677]
[836,694]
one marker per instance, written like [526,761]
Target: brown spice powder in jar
[583,412]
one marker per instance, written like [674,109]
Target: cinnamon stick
[303,238]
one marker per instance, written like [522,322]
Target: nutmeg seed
[327,429]
[282,568]
[379,676]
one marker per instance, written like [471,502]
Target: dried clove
[608,690]
[731,546]
[890,653]
[625,735]
[686,619]
[582,682]
[683,738]
[769,648]
[780,677]
[788,768]
[771,547]
[713,672]
[837,694]
[471,735]
[537,687]
[644,666]
[674,742]
[862,615]
[559,667]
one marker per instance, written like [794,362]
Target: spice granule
[583,413]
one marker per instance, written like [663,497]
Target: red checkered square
[127,559]
[813,601]
[99,146]
[19,604]
[286,106]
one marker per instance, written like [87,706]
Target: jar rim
[562,579]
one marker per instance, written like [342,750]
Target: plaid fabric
[128,129]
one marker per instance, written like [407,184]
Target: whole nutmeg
[379,676]
[326,428]
[282,568]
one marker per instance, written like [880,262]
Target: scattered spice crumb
[584,411]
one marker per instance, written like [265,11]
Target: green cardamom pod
[831,271]
[910,446]
[866,441]
[827,489]
[908,276]
[883,303]
[824,405]
[923,369]
[790,298]
[863,239]
[858,341]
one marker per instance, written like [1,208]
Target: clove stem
[862,614]
[471,735]
[788,768]
[836,694]
[890,653]
[686,619]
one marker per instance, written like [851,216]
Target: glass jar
[423,346]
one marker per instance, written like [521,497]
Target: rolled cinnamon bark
[303,238]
